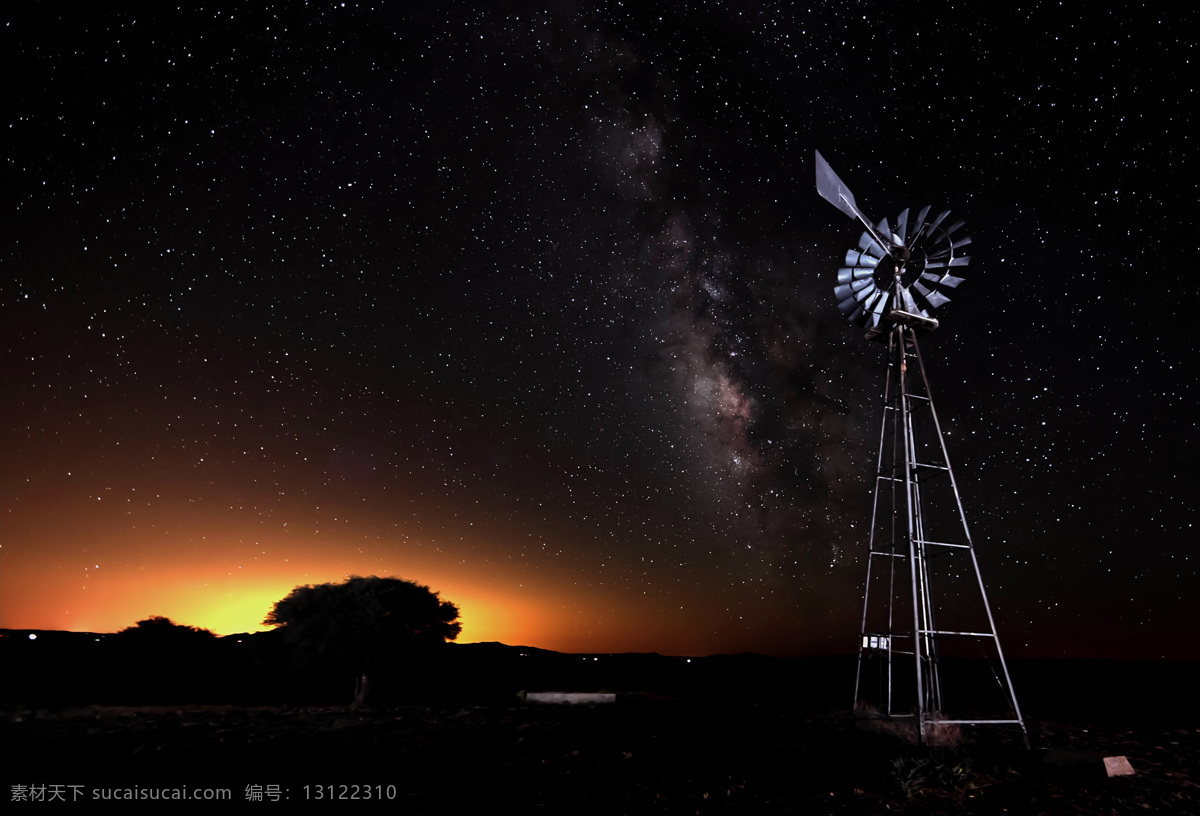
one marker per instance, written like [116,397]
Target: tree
[366,624]
[159,631]
[157,660]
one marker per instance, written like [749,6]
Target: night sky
[532,303]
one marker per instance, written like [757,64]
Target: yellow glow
[218,577]
[227,601]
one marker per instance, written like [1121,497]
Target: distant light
[32,636]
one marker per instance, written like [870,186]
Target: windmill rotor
[895,276]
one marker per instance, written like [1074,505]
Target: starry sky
[532,303]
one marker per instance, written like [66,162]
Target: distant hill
[48,667]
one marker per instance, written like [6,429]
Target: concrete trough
[570,697]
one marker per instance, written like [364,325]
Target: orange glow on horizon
[228,601]
[102,564]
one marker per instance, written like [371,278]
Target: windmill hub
[900,264]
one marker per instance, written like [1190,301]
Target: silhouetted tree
[158,631]
[366,624]
[158,660]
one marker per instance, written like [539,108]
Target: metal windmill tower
[926,618]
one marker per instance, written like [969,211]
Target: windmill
[928,638]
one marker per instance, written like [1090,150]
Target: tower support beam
[924,588]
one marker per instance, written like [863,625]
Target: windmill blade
[847,274]
[963,261]
[938,221]
[924,301]
[902,226]
[858,291]
[854,305]
[865,294]
[849,306]
[869,316]
[910,305]
[948,281]
[833,190]
[870,246]
[878,307]
[921,220]
[885,235]
[938,246]
[957,225]
[846,290]
[855,257]
[936,299]
[932,298]
[919,231]
[961,242]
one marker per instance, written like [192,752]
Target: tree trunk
[362,687]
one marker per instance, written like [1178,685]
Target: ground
[642,754]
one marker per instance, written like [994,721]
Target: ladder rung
[889,554]
[943,544]
[964,634]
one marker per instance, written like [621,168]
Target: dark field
[740,734]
